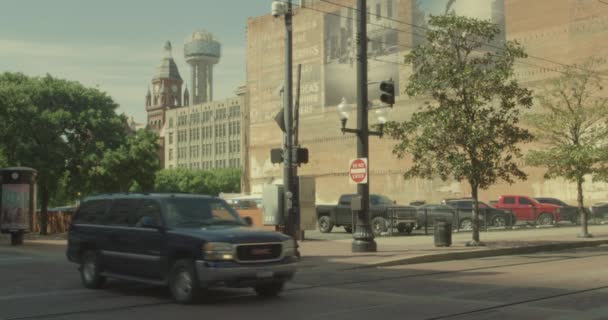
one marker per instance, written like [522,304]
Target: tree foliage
[572,125]
[131,166]
[470,131]
[198,181]
[58,127]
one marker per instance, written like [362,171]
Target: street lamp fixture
[381,113]
[344,110]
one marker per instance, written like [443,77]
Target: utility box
[308,209]
[18,201]
[273,205]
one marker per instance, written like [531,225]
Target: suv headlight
[218,251]
[290,248]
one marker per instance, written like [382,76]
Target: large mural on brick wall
[340,54]
[492,10]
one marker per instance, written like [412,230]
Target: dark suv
[187,242]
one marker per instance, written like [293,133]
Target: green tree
[470,131]
[56,126]
[573,126]
[198,181]
[131,165]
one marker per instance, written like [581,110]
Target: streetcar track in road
[343,283]
[511,304]
[434,273]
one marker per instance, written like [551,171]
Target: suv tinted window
[121,212]
[91,212]
[524,201]
[345,200]
[508,200]
[199,212]
[148,208]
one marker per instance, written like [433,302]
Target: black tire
[545,219]
[499,221]
[466,224]
[348,229]
[183,282]
[379,226]
[404,228]
[269,290]
[90,270]
[16,238]
[325,224]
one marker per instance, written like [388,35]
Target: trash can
[17,201]
[443,233]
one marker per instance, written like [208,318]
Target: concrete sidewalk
[336,254]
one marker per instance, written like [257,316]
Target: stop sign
[357,172]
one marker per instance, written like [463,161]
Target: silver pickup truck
[384,214]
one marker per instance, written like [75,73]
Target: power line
[422,36]
[428,29]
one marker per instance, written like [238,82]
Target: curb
[463,255]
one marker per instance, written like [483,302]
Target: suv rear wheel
[90,271]
[325,224]
[378,226]
[466,224]
[183,282]
[499,221]
[545,219]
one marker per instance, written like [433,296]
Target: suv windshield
[379,200]
[199,212]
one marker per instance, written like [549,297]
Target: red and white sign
[357,173]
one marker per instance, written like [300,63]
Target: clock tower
[166,94]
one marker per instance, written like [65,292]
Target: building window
[389,8]
[170,137]
[378,11]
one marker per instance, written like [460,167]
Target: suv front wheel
[183,282]
[90,271]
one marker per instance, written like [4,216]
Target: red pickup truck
[527,209]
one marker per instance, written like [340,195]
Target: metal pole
[363,238]
[296,144]
[288,178]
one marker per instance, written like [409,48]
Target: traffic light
[299,156]
[387,92]
[276,156]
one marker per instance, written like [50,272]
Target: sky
[117,44]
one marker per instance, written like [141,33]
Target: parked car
[428,213]
[527,209]
[599,211]
[567,212]
[186,242]
[383,213]
[488,216]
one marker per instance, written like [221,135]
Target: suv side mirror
[149,222]
[248,221]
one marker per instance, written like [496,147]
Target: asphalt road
[36,282]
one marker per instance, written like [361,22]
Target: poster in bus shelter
[15,207]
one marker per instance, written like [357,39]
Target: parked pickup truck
[528,209]
[383,213]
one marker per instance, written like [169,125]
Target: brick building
[553,33]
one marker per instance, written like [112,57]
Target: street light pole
[363,238]
[288,172]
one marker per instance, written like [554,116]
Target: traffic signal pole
[289,169]
[363,237]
